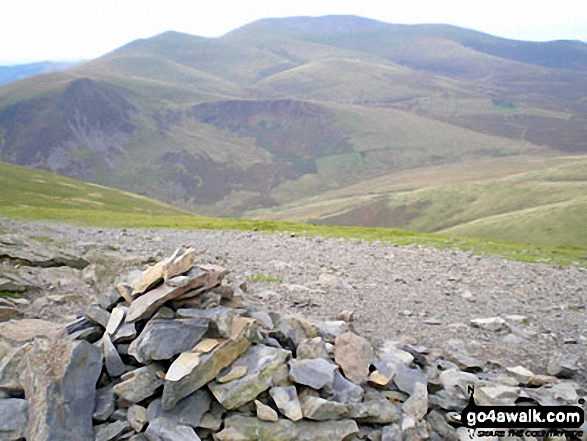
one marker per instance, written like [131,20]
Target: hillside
[531,201]
[285,109]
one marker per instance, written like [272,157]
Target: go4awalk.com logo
[527,420]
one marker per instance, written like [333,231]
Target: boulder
[187,412]
[286,400]
[354,355]
[139,384]
[60,387]
[159,339]
[161,429]
[13,419]
[313,372]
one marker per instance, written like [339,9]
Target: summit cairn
[177,352]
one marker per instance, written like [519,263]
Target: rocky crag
[180,352]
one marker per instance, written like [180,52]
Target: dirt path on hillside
[413,294]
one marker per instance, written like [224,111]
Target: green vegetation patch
[260,277]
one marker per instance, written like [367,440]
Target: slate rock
[354,355]
[137,417]
[563,366]
[116,319]
[159,339]
[114,365]
[265,412]
[496,395]
[375,409]
[243,428]
[344,391]
[417,405]
[406,378]
[286,400]
[139,384]
[13,419]
[261,363]
[312,348]
[438,424]
[146,305]
[492,324]
[108,432]
[220,319]
[161,429]
[97,314]
[9,313]
[12,367]
[187,412]
[313,372]
[105,404]
[178,263]
[319,409]
[59,383]
[192,370]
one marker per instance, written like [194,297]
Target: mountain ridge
[252,120]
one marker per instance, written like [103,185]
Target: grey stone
[137,417]
[91,335]
[114,365]
[261,363]
[139,384]
[9,313]
[492,324]
[97,314]
[330,330]
[13,419]
[159,339]
[313,372]
[375,409]
[312,348]
[78,325]
[265,412]
[438,424]
[496,395]
[12,366]
[343,390]
[105,404]
[319,409]
[187,412]
[126,332]
[146,305]
[563,366]
[392,432]
[286,400]
[108,432]
[220,319]
[161,429]
[43,255]
[60,382]
[243,428]
[116,319]
[354,355]
[191,370]
[178,263]
[406,378]
[107,297]
[417,405]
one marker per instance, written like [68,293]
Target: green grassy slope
[543,206]
[31,194]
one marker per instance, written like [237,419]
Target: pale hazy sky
[34,30]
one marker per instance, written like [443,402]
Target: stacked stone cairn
[176,353]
